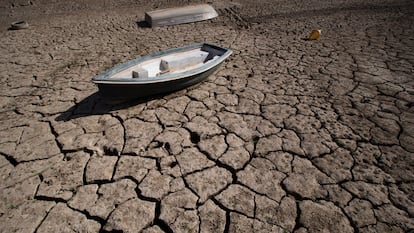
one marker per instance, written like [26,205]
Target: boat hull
[179,15]
[124,92]
[117,89]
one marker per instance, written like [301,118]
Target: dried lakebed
[288,136]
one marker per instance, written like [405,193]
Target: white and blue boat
[159,73]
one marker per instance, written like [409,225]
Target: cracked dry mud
[288,136]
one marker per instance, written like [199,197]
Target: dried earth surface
[288,136]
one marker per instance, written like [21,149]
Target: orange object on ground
[315,34]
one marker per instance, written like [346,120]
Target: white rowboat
[179,15]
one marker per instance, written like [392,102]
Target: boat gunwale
[104,78]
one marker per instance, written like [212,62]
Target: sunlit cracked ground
[288,136]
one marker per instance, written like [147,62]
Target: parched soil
[289,135]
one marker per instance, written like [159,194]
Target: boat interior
[171,63]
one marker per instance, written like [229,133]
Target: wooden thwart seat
[140,73]
[182,62]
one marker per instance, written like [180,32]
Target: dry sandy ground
[288,136]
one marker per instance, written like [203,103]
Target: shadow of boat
[143,24]
[96,105]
